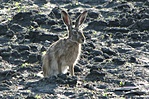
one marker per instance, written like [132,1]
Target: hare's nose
[83,40]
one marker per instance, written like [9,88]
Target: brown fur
[64,52]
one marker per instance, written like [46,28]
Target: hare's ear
[81,19]
[66,18]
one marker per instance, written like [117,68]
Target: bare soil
[114,62]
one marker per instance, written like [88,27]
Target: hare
[65,52]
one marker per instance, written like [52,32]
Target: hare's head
[75,34]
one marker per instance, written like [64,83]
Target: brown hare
[65,52]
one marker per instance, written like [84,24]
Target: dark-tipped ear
[81,19]
[66,18]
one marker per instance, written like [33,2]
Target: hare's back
[67,50]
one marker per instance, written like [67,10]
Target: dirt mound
[115,58]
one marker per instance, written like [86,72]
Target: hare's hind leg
[59,66]
[62,66]
[46,65]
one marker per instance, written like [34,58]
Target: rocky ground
[114,62]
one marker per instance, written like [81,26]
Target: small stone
[5,54]
[17,61]
[136,44]
[89,86]
[32,58]
[123,6]
[146,66]
[43,48]
[95,68]
[123,50]
[31,97]
[103,86]
[34,48]
[10,33]
[3,29]
[33,35]
[15,53]
[62,76]
[92,45]
[4,39]
[73,80]
[98,59]
[135,36]
[117,29]
[93,15]
[24,53]
[16,27]
[97,25]
[69,93]
[34,24]
[20,47]
[143,24]
[51,22]
[55,11]
[97,52]
[108,51]
[47,36]
[127,88]
[4,88]
[7,72]
[5,49]
[132,59]
[135,93]
[113,23]
[65,79]
[106,56]
[24,47]
[82,62]
[118,61]
[77,69]
[0,58]
[40,19]
[97,73]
